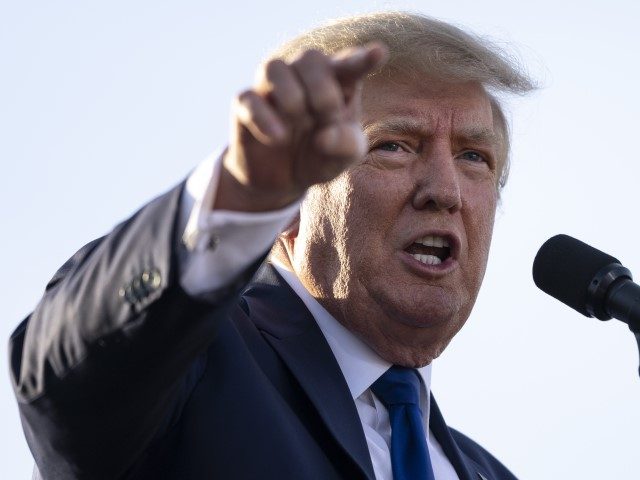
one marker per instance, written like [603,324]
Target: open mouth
[430,250]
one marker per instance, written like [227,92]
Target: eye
[393,146]
[390,154]
[473,156]
[388,147]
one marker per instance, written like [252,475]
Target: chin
[411,345]
[410,356]
[427,315]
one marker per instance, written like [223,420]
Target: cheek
[320,241]
[345,224]
[377,197]
[369,219]
[479,222]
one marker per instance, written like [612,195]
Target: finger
[353,64]
[254,112]
[344,140]
[323,94]
[280,84]
[341,146]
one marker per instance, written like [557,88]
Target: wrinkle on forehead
[408,125]
[464,109]
[464,104]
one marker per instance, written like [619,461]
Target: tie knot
[398,385]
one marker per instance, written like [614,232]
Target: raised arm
[103,365]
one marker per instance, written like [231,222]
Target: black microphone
[588,280]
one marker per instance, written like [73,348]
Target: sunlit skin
[431,168]
[298,126]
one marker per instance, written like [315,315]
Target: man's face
[395,248]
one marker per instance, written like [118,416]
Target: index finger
[352,64]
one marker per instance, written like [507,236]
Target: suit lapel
[295,336]
[466,468]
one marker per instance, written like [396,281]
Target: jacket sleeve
[104,363]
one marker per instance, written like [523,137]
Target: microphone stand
[637,334]
[619,297]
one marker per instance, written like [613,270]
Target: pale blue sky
[105,104]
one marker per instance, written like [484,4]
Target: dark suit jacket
[120,374]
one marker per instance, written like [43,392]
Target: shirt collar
[360,365]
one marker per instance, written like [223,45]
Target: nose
[437,181]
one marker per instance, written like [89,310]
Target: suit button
[139,290]
[151,280]
[130,294]
[126,293]
[141,286]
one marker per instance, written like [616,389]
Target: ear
[282,249]
[290,233]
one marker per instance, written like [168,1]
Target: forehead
[428,104]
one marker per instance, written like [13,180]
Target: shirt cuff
[221,244]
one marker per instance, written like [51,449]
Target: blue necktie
[399,390]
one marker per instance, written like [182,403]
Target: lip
[433,270]
[452,238]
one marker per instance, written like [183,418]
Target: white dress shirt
[221,244]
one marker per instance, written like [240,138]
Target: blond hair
[423,46]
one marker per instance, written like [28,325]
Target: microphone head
[564,268]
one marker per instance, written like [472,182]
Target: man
[142,362]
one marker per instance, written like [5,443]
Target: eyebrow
[475,134]
[479,134]
[393,125]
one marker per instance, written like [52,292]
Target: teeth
[428,259]
[433,241]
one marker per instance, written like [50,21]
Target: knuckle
[274,67]
[293,102]
[246,98]
[325,100]
[268,73]
[278,80]
[283,88]
[245,105]
[312,56]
